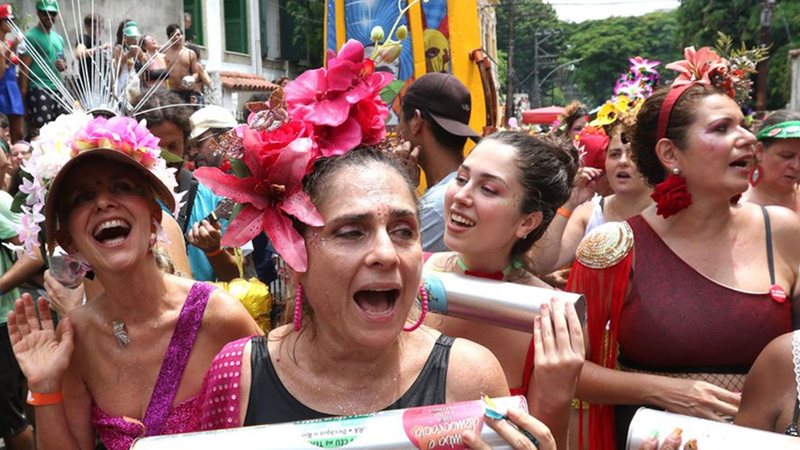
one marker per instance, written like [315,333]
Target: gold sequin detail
[606,245]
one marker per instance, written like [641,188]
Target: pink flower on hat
[699,66]
[122,134]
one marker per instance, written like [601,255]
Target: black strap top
[270,401]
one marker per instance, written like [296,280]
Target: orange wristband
[215,252]
[564,212]
[51,398]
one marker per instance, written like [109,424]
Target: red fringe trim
[605,291]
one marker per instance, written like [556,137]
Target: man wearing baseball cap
[435,118]
[208,123]
[36,84]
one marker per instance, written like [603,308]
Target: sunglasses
[49,13]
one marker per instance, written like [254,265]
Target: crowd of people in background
[163,228]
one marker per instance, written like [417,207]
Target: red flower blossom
[671,196]
[371,117]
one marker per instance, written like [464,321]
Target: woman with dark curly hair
[504,195]
[693,289]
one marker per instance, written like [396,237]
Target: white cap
[211,116]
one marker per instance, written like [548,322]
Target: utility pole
[763,66]
[537,94]
[510,65]
[541,60]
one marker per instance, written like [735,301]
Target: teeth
[461,220]
[111,224]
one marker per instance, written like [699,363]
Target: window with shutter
[236,36]
[195,8]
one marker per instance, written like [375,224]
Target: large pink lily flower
[698,66]
[277,162]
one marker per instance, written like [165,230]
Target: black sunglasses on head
[49,13]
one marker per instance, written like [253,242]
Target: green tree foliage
[533,20]
[308,16]
[701,19]
[605,46]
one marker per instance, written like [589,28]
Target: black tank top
[270,401]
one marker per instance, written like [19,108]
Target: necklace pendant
[121,333]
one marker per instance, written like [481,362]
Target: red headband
[666,109]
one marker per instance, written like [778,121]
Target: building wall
[488,22]
[152,16]
[264,33]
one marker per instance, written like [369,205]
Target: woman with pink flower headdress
[347,225]
[682,298]
[129,363]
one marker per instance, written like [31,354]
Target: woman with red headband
[693,289]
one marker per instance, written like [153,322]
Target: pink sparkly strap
[220,394]
[176,358]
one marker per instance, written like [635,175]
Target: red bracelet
[215,252]
[51,398]
[564,212]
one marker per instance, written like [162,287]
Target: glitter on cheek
[515,201]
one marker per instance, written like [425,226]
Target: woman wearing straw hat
[129,363]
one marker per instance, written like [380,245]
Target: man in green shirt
[39,84]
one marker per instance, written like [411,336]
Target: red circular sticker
[774,132]
[777,293]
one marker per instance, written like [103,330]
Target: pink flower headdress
[61,142]
[324,112]
[729,72]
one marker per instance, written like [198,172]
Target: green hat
[783,130]
[131,30]
[47,5]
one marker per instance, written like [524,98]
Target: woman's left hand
[62,299]
[521,431]
[560,353]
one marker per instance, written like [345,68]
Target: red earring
[671,195]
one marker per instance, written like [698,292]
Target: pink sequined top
[118,433]
[219,395]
